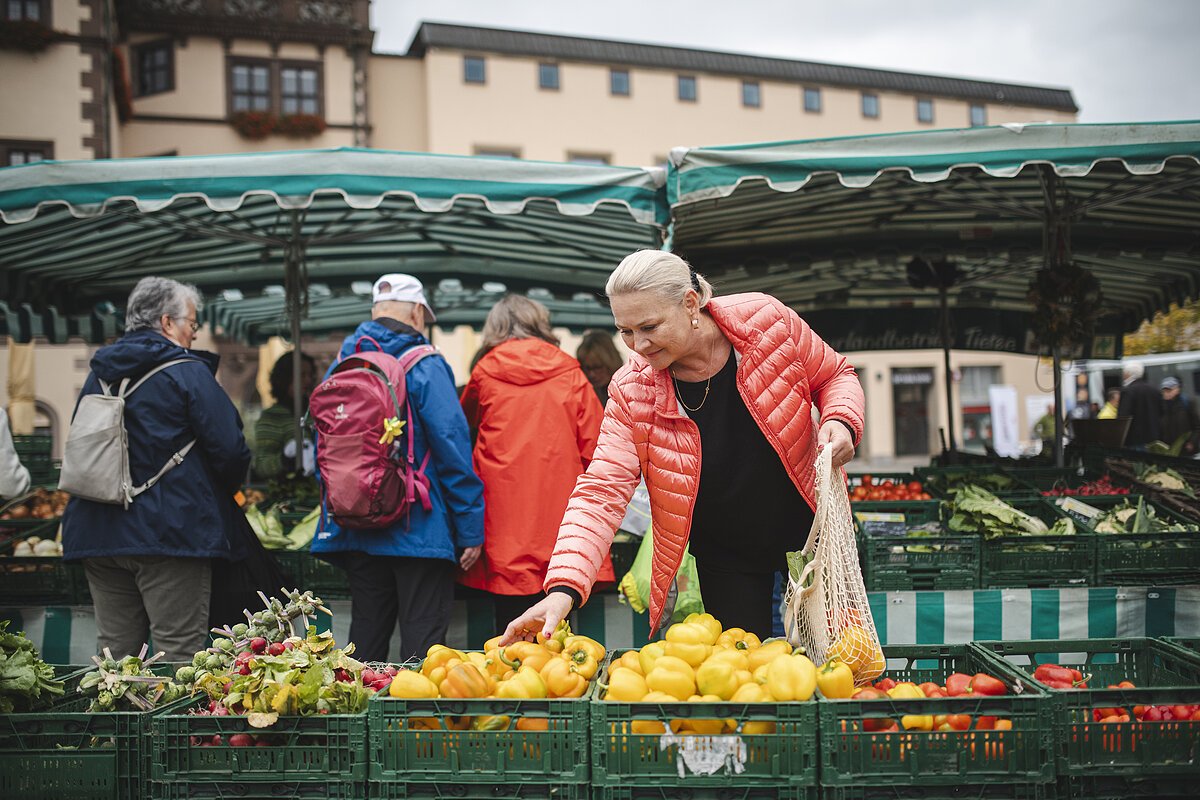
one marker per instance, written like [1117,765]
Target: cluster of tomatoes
[958,684]
[1099,487]
[868,490]
[1056,677]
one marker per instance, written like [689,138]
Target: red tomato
[865,480]
[915,487]
[887,483]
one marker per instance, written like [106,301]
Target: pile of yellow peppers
[561,666]
[700,662]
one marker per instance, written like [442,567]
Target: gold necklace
[707,386]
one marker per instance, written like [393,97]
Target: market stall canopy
[75,234]
[845,230]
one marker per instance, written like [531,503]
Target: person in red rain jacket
[538,420]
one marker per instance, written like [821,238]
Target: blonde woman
[537,419]
[715,410]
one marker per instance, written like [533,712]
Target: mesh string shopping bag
[825,607]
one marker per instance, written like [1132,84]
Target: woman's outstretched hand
[542,618]
[836,436]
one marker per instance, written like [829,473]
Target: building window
[812,100]
[497,152]
[978,116]
[870,105]
[924,109]
[251,86]
[687,88]
[751,94]
[29,10]
[474,70]
[548,76]
[618,82]
[14,152]
[299,89]
[588,158]
[155,65]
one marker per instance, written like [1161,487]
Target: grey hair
[657,271]
[154,297]
[1134,370]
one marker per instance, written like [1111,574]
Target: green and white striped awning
[830,225]
[75,233]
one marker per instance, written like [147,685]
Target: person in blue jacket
[407,572]
[149,567]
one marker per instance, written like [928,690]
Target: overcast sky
[1125,60]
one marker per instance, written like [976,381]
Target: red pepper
[985,684]
[958,684]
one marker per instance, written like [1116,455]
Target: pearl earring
[696,324]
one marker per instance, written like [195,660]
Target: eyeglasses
[195,326]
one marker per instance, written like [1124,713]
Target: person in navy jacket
[407,572]
[149,567]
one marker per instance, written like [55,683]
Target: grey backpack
[95,462]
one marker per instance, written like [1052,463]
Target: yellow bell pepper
[791,677]
[491,723]
[716,677]
[835,680]
[411,685]
[648,726]
[493,643]
[760,674]
[758,726]
[735,658]
[478,659]
[708,622]
[673,676]
[533,724]
[854,647]
[911,722]
[561,680]
[768,651]
[750,693]
[525,684]
[437,656]
[573,644]
[649,654]
[624,686]
[554,642]
[496,666]
[525,653]
[743,676]
[581,652]
[704,727]
[738,639]
[689,641]
[465,681]
[630,660]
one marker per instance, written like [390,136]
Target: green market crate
[1038,561]
[768,792]
[897,558]
[35,444]
[316,749]
[1116,759]
[228,790]
[1186,642]
[1170,557]
[984,791]
[942,481]
[33,579]
[67,753]
[782,761]
[854,760]
[402,748]
[311,573]
[410,790]
[915,513]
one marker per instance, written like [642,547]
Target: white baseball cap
[401,288]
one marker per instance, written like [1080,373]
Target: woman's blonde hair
[657,271]
[517,317]
[599,345]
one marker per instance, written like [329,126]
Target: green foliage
[1174,331]
[26,682]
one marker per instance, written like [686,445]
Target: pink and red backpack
[368,478]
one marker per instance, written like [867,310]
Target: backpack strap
[409,358]
[177,458]
[416,484]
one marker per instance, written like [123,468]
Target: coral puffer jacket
[783,370]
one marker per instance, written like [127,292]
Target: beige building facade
[82,79]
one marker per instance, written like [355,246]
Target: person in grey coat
[14,478]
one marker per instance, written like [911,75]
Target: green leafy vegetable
[26,682]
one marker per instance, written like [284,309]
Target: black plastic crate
[33,579]
[423,790]
[745,792]
[1106,755]
[320,748]
[942,481]
[784,759]
[227,790]
[927,762]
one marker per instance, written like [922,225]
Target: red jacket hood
[522,362]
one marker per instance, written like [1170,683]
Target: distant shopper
[14,478]
[538,420]
[1112,399]
[1179,417]
[149,565]
[1044,429]
[599,359]
[275,429]
[1142,403]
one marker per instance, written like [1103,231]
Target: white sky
[1125,60]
